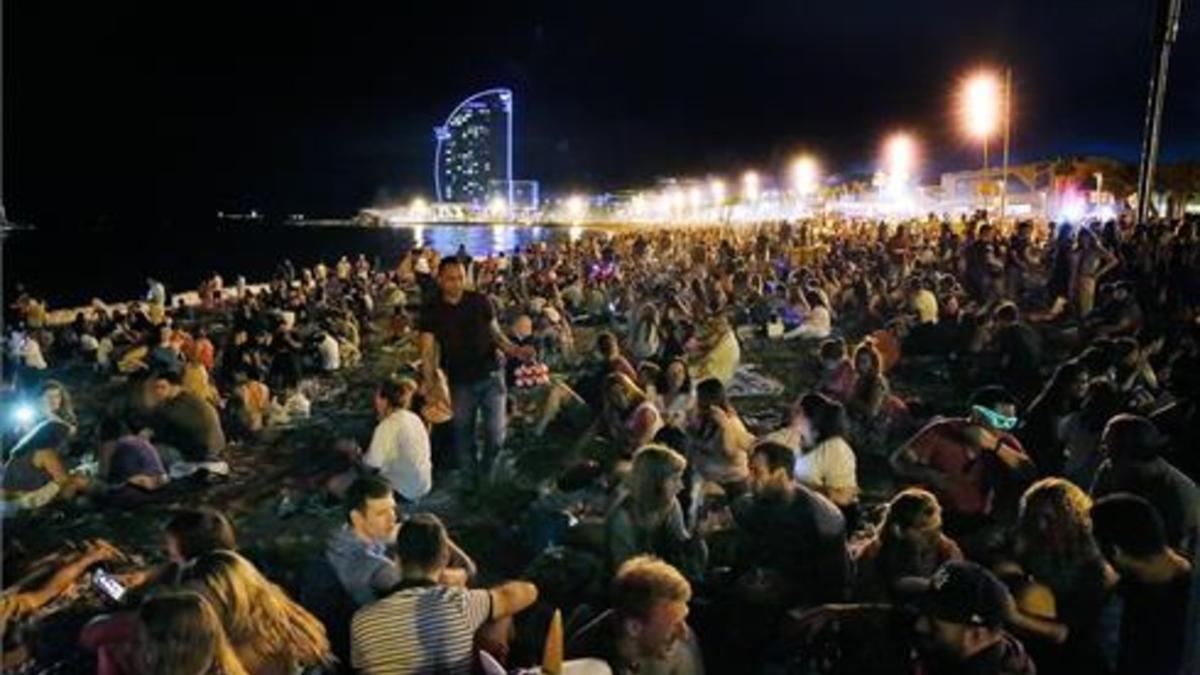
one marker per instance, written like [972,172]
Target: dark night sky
[176,109]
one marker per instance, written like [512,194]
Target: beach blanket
[749,383]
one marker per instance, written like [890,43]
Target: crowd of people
[1038,512]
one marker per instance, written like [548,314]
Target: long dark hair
[663,384]
[828,417]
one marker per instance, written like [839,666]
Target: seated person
[35,473]
[185,428]
[957,627]
[423,625]
[535,393]
[646,629]
[875,412]
[630,417]
[974,466]
[825,462]
[676,398]
[1053,549]
[196,379]
[1019,351]
[165,354]
[649,518]
[358,550]
[1120,315]
[269,632]
[818,320]
[189,534]
[251,401]
[786,533]
[837,372]
[719,352]
[720,440]
[128,460]
[1133,447]
[399,448]
[46,580]
[180,632]
[1156,582]
[908,543]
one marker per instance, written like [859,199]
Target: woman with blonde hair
[270,633]
[649,518]
[180,634]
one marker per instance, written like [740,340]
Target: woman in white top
[825,462]
[818,320]
[644,339]
[676,398]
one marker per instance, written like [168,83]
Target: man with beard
[646,631]
[951,624]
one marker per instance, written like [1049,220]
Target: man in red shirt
[975,467]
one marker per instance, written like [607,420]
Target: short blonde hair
[653,464]
[643,582]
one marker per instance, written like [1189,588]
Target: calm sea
[71,268]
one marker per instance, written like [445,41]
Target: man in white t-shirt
[400,445]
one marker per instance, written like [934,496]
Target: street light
[716,187]
[981,102]
[900,158]
[497,207]
[751,187]
[805,174]
[576,207]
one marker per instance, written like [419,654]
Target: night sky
[120,113]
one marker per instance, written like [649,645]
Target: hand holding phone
[108,585]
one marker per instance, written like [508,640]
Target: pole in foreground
[1166,27]
[1007,135]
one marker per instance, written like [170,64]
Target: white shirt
[817,325]
[33,355]
[400,450]
[830,465]
[331,354]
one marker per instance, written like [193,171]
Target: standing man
[460,326]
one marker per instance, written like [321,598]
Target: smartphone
[108,585]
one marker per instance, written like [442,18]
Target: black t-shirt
[464,336]
[803,538]
[1022,345]
[1153,626]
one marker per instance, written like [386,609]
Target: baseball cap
[959,592]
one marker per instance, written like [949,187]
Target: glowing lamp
[751,186]
[981,104]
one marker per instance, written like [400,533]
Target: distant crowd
[989,466]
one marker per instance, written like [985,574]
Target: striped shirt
[426,629]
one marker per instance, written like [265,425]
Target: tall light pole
[899,159]
[805,178]
[1007,137]
[980,108]
[1165,29]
